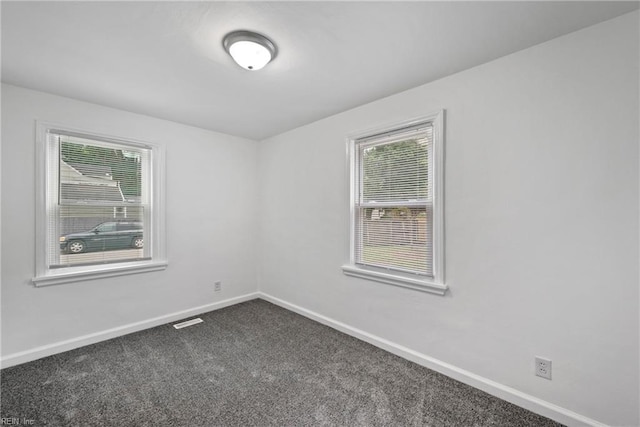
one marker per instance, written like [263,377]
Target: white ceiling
[165,59]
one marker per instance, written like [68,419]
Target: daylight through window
[98,209]
[396,205]
[101,201]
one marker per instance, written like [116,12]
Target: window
[396,205]
[100,207]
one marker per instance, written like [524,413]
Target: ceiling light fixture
[251,51]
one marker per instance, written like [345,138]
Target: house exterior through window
[100,206]
[396,205]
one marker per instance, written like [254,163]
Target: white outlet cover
[543,367]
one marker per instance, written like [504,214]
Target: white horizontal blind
[394,203]
[97,201]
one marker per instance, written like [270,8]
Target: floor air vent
[187,323]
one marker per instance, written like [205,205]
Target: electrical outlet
[217,286]
[543,367]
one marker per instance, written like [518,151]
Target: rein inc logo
[6,421]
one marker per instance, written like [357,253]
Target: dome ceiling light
[251,51]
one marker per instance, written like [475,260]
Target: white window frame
[429,284]
[47,174]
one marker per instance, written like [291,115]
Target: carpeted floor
[253,364]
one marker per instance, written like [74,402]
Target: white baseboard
[504,392]
[59,347]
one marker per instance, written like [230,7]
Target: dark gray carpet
[253,364]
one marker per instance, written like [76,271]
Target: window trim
[436,284]
[52,276]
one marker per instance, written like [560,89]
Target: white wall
[211,222]
[541,222]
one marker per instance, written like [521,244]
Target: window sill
[97,272]
[395,279]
